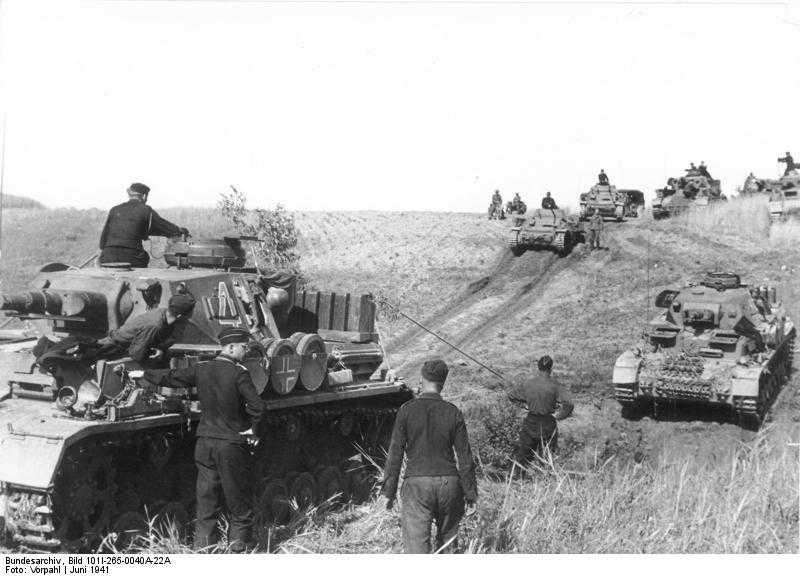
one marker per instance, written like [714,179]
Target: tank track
[560,243]
[755,409]
[307,456]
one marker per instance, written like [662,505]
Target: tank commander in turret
[128,224]
[602,178]
[790,165]
[229,426]
[547,401]
[548,203]
[439,472]
[595,229]
[144,337]
[703,170]
[691,170]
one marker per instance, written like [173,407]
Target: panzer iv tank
[545,229]
[606,199]
[716,342]
[86,450]
[684,193]
[784,197]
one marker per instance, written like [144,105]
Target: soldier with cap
[548,203]
[595,229]
[231,413]
[790,165]
[602,178]
[145,337]
[703,170]
[547,401]
[128,224]
[433,436]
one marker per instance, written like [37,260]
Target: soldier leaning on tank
[231,412]
[548,203]
[144,337]
[128,224]
[430,432]
[547,401]
[790,165]
[602,178]
[595,229]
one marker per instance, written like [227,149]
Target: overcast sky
[392,105]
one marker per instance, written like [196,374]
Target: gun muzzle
[62,302]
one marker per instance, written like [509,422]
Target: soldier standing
[231,412]
[497,200]
[547,401]
[128,224]
[139,335]
[430,432]
[595,229]
[548,203]
[790,165]
[602,178]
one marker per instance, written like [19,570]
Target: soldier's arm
[466,464]
[161,227]
[104,233]
[253,404]
[173,378]
[139,348]
[565,405]
[394,460]
[517,394]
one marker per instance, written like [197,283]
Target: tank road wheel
[127,527]
[272,505]
[304,490]
[84,499]
[284,366]
[313,361]
[331,485]
[173,516]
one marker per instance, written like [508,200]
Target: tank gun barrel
[72,303]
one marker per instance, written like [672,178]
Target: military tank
[684,193]
[605,198]
[715,342]
[545,229]
[784,201]
[87,450]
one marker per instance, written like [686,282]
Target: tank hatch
[219,253]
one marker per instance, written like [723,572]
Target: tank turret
[716,341]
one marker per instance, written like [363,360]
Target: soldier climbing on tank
[229,426]
[595,229]
[547,401]
[145,337]
[548,203]
[433,436]
[128,224]
[789,161]
[602,178]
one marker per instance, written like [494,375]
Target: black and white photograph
[352,278]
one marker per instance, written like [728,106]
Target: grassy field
[691,482]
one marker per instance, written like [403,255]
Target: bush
[275,230]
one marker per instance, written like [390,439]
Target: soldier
[516,203]
[703,170]
[140,334]
[128,224]
[548,203]
[595,229]
[602,178]
[231,412]
[691,170]
[547,401]
[429,431]
[790,165]
[497,200]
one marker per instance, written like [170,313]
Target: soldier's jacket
[131,222]
[228,398]
[140,333]
[548,203]
[596,223]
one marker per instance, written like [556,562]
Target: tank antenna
[384,302]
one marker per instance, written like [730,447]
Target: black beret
[435,371]
[233,336]
[181,304]
[138,188]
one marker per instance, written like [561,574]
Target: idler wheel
[313,360]
[284,368]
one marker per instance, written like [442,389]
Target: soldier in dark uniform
[432,434]
[547,401]
[548,203]
[703,170]
[130,223]
[602,178]
[692,170]
[140,335]
[231,412]
[790,165]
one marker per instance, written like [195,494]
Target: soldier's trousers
[428,500]
[133,256]
[224,470]
[535,433]
[594,239]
